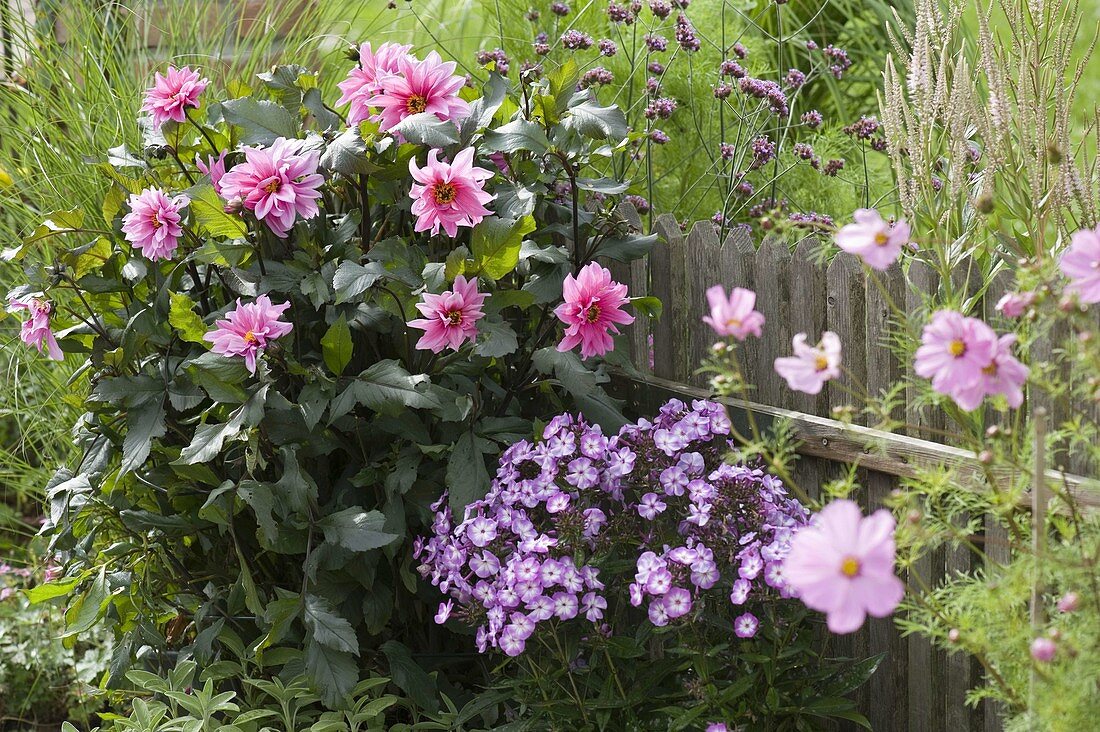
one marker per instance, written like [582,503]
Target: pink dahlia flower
[592,310]
[449,194]
[213,168]
[278,183]
[172,94]
[1081,264]
[873,239]
[420,86]
[842,564]
[247,329]
[954,351]
[153,224]
[364,81]
[1002,375]
[450,318]
[733,316]
[36,328]
[811,366]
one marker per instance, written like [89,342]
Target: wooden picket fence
[917,687]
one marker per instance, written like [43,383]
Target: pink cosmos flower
[172,94]
[811,366]
[1069,602]
[153,224]
[213,168]
[1003,375]
[954,351]
[247,329]
[36,328]
[873,239]
[733,316]
[420,86]
[592,310]
[450,318]
[449,194]
[278,183]
[842,564]
[364,81]
[1014,304]
[1043,649]
[1081,264]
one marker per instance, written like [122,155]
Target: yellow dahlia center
[272,185]
[592,314]
[850,567]
[881,239]
[416,104]
[250,337]
[821,363]
[444,193]
[156,220]
[957,348]
[453,317]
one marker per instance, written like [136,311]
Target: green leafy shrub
[277,504]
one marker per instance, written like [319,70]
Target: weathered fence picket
[916,687]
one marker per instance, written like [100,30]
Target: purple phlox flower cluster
[768,91]
[812,119]
[729,67]
[596,75]
[685,34]
[660,108]
[838,60]
[496,56]
[794,79]
[574,39]
[659,490]
[655,42]
[660,8]
[607,47]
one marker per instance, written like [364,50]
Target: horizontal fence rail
[917,687]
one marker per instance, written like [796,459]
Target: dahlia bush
[592,548]
[267,418]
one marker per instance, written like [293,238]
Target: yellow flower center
[592,314]
[444,193]
[881,239]
[453,317]
[156,221]
[821,363]
[850,567]
[416,104]
[250,337]
[733,323]
[273,185]
[991,369]
[957,348]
